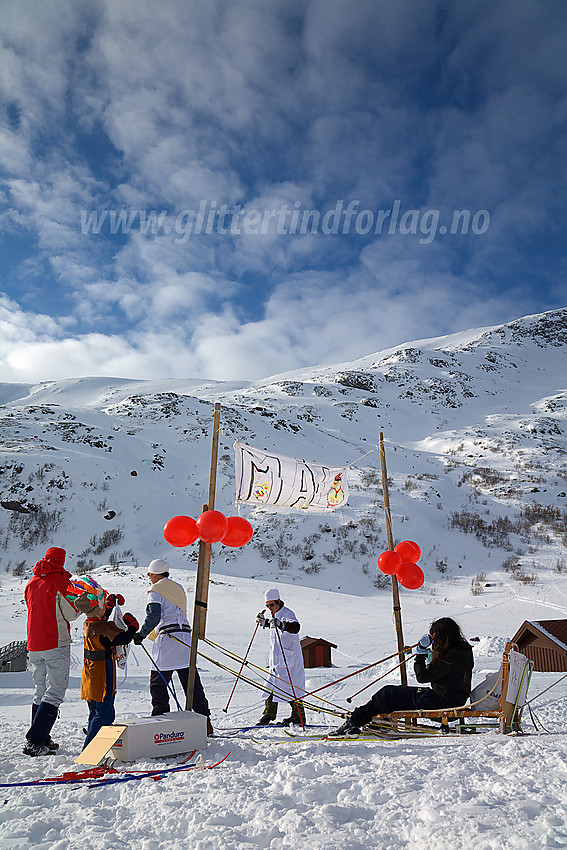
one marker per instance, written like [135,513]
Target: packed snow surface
[479,791]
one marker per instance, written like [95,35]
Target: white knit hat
[272,595]
[158,567]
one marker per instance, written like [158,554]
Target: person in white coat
[166,624]
[287,673]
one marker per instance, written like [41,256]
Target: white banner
[269,479]
[518,681]
[121,651]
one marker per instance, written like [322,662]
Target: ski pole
[289,676]
[350,699]
[249,681]
[168,685]
[225,709]
[350,675]
[547,689]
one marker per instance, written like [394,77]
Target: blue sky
[233,189]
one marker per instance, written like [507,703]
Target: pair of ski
[235,733]
[128,776]
[109,776]
[369,734]
[364,737]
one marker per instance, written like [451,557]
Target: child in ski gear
[166,624]
[49,646]
[100,638]
[449,672]
[287,673]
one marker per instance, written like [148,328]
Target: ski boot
[297,717]
[270,712]
[348,729]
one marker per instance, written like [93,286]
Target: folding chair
[499,699]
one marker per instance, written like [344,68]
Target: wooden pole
[395,589]
[203,569]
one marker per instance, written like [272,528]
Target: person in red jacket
[49,646]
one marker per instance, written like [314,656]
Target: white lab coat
[278,683]
[170,654]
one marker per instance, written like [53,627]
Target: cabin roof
[554,630]
[309,641]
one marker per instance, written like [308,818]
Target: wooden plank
[394,581]
[203,569]
[100,745]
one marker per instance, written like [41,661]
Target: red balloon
[212,526]
[180,531]
[410,575]
[389,562]
[408,551]
[239,532]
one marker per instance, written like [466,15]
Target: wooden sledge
[497,704]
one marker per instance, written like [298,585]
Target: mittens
[131,622]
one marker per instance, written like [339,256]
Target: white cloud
[311,318]
[17,326]
[159,106]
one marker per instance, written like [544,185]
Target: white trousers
[50,672]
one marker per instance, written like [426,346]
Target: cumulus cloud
[119,115]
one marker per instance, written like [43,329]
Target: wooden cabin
[14,657]
[316,652]
[545,643]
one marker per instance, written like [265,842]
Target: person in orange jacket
[100,639]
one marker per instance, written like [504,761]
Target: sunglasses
[271,604]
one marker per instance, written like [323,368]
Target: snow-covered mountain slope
[476,440]
[475,435]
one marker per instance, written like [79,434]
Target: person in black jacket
[449,673]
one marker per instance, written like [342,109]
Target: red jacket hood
[51,563]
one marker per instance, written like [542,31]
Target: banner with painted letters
[264,478]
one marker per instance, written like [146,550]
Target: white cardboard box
[165,735]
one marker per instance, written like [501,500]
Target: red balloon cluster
[402,563]
[210,527]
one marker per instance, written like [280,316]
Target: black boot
[348,728]
[37,750]
[297,717]
[270,712]
[49,742]
[44,716]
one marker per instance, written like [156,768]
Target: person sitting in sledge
[449,674]
[100,639]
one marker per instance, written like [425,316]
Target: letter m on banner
[270,479]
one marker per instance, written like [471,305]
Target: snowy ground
[482,791]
